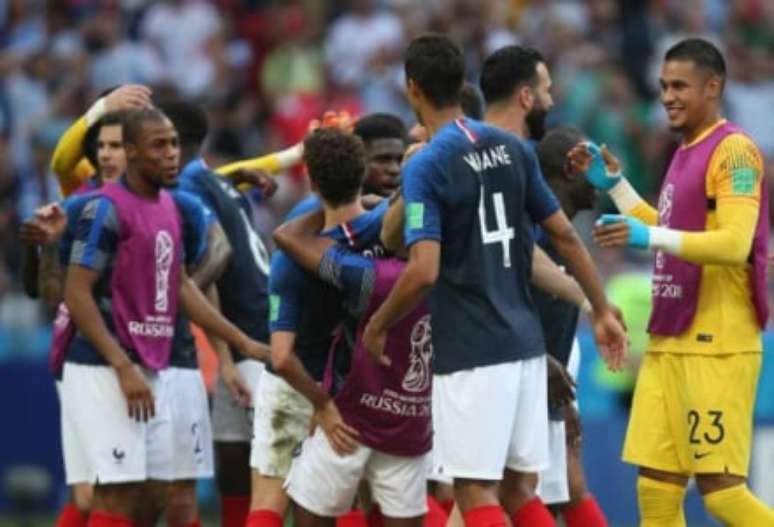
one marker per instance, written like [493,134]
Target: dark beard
[536,123]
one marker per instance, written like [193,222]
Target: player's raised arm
[603,171]
[67,161]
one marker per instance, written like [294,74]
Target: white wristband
[97,110]
[668,240]
[290,156]
[624,196]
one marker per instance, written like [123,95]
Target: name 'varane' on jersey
[472,188]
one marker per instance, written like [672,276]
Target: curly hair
[336,164]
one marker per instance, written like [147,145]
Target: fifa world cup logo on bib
[417,378]
[164,257]
[664,215]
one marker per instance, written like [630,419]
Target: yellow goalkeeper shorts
[693,413]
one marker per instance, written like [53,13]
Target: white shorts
[491,418]
[282,421]
[191,428]
[553,484]
[101,444]
[231,422]
[326,484]
[435,470]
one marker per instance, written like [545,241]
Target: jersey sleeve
[734,176]
[67,161]
[197,219]
[270,163]
[351,273]
[540,201]
[95,241]
[422,216]
[286,281]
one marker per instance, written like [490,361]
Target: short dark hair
[189,120]
[134,120]
[380,126]
[90,144]
[471,102]
[507,69]
[701,52]
[552,150]
[336,163]
[436,64]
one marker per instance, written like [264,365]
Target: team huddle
[405,355]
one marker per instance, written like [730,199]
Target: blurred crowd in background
[264,68]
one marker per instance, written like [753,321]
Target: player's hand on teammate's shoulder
[236,385]
[45,227]
[138,393]
[129,96]
[341,436]
[561,386]
[611,339]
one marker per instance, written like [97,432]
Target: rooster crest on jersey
[418,376]
[164,257]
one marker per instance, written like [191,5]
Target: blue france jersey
[243,286]
[304,305]
[475,189]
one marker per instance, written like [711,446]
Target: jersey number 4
[503,233]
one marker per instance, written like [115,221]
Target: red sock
[233,510]
[354,518]
[486,516]
[264,518]
[585,514]
[104,519]
[447,505]
[533,514]
[70,516]
[436,516]
[375,518]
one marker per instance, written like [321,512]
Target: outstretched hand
[45,227]
[611,339]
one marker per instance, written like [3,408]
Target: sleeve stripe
[94,233]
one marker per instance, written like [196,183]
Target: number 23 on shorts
[706,428]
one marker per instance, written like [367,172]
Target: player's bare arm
[608,332]
[85,313]
[300,239]
[342,437]
[215,260]
[415,281]
[196,307]
[226,367]
[392,225]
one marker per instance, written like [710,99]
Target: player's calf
[116,501]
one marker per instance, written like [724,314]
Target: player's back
[310,308]
[243,285]
[486,187]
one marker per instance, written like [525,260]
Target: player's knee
[268,494]
[470,493]
[707,483]
[119,498]
[517,489]
[659,500]
[181,506]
